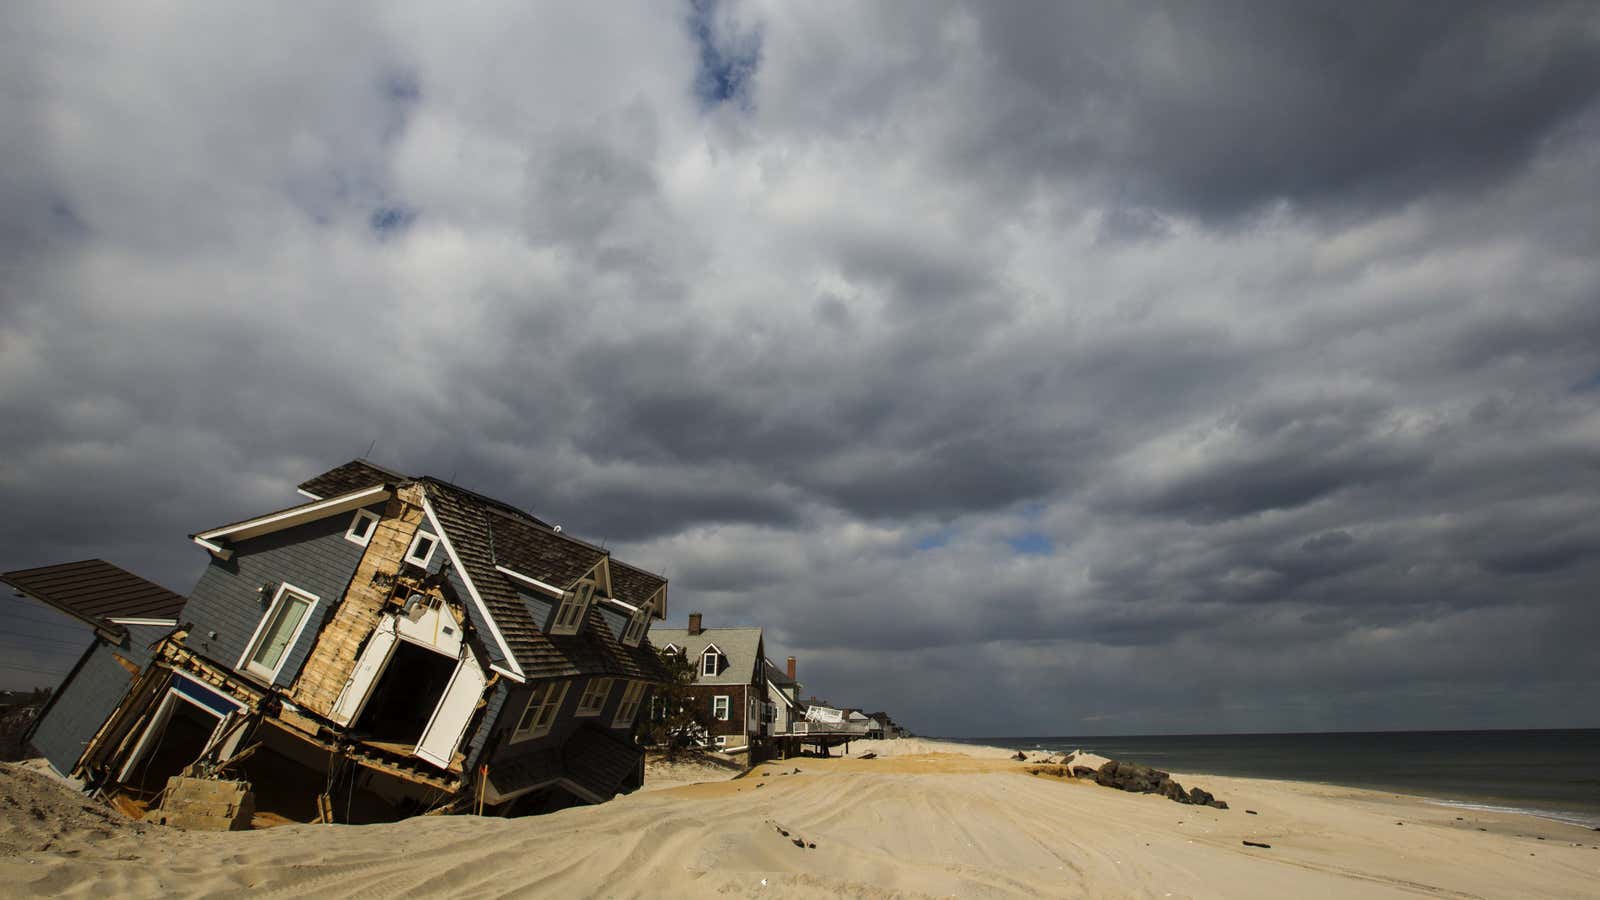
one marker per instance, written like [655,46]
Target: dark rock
[1251,812]
[1019,756]
[1256,844]
[1218,804]
[1131,777]
[1200,797]
[811,846]
[799,843]
[1067,760]
[1174,791]
[1083,772]
[868,755]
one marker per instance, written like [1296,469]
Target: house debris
[392,646]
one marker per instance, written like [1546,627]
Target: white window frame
[628,706]
[638,624]
[595,695]
[714,654]
[550,695]
[574,608]
[362,517]
[246,664]
[720,741]
[726,702]
[671,648]
[411,552]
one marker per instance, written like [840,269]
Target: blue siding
[226,605]
[90,695]
[474,615]
[486,725]
[566,722]
[540,607]
[515,700]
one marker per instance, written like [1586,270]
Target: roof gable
[215,539]
[741,646]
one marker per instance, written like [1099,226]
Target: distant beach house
[397,644]
[730,684]
[783,707]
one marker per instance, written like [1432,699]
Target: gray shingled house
[730,683]
[397,643]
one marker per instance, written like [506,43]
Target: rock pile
[1139,779]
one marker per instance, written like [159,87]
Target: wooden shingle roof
[352,476]
[636,586]
[555,559]
[485,534]
[96,592]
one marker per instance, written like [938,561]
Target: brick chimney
[694,623]
[791,668]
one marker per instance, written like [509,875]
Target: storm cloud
[1021,368]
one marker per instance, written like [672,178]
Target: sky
[1053,369]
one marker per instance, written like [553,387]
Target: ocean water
[1552,774]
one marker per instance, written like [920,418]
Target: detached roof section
[97,592]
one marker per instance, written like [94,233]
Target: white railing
[851,728]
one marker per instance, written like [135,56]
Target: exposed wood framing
[333,658]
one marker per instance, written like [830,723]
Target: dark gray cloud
[1021,369]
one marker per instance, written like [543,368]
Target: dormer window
[574,606]
[422,547]
[362,527]
[710,662]
[638,624]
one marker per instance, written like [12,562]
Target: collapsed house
[392,646]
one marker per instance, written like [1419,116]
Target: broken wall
[338,644]
[90,694]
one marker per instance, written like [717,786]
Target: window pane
[276,638]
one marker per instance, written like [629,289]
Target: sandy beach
[922,819]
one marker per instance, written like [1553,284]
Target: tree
[676,720]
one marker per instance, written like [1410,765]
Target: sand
[921,820]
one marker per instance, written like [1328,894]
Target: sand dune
[968,823]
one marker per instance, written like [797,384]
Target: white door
[443,734]
[379,646]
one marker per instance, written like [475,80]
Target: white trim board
[528,579]
[251,646]
[294,515]
[515,672]
[137,621]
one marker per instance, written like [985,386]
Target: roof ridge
[485,499]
